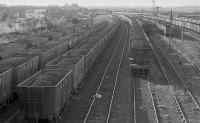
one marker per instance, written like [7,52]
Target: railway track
[101,106]
[174,112]
[143,97]
[186,103]
[157,102]
[145,110]
[189,77]
[172,77]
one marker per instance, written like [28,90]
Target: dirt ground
[193,35]
[163,97]
[190,49]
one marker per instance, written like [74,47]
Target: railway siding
[144,107]
[178,112]
[99,109]
[122,98]
[184,98]
[13,107]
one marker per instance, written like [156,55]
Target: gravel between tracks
[162,96]
[143,101]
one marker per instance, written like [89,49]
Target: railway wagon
[75,63]
[62,48]
[161,28]
[92,55]
[45,95]
[195,27]
[22,66]
[168,28]
[187,25]
[164,26]
[141,54]
[75,60]
[38,107]
[27,68]
[5,86]
[50,54]
[83,57]
[90,58]
[34,99]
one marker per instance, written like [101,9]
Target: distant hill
[178,8]
[182,10]
[187,8]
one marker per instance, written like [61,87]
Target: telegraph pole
[170,30]
[157,12]
[181,55]
[142,14]
[154,7]
[45,18]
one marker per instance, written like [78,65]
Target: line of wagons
[175,22]
[35,98]
[141,51]
[46,94]
[186,23]
[18,67]
[164,27]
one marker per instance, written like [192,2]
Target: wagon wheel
[32,120]
[15,96]
[56,119]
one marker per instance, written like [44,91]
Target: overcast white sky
[104,2]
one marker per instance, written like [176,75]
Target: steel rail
[153,102]
[116,79]
[168,81]
[133,86]
[152,98]
[94,98]
[179,76]
[134,103]
[184,119]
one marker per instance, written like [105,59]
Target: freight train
[189,25]
[163,26]
[47,93]
[18,67]
[141,51]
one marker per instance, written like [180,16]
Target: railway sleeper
[183,119]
